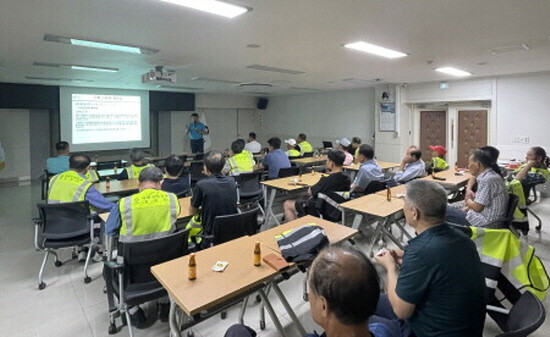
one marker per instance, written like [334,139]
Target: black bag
[302,243]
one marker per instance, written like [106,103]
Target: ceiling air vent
[214,80]
[275,69]
[510,48]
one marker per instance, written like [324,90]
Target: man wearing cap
[344,145]
[438,163]
[293,148]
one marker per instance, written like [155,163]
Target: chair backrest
[307,154]
[233,226]
[525,317]
[289,171]
[140,256]
[513,201]
[328,205]
[375,186]
[249,184]
[64,220]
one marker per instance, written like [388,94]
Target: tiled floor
[68,307]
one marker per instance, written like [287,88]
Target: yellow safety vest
[92,176]
[148,214]
[241,162]
[133,171]
[68,186]
[439,163]
[514,260]
[195,228]
[305,147]
[293,153]
[356,155]
[516,188]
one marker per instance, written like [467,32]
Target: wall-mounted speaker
[262,103]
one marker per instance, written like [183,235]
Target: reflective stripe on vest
[92,176]
[133,171]
[68,186]
[147,215]
[241,162]
[195,228]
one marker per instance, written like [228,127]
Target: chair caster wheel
[538,228]
[305,297]
[58,263]
[87,279]
[112,329]
[258,298]
[224,314]
[41,286]
[74,255]
[190,334]
[262,325]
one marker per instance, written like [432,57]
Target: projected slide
[105,118]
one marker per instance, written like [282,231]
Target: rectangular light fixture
[216,7]
[100,45]
[453,71]
[375,50]
[90,68]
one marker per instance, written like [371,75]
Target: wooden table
[214,289]
[335,232]
[185,209]
[309,160]
[378,206]
[118,187]
[287,184]
[452,180]
[383,165]
[395,191]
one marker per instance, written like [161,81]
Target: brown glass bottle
[192,267]
[257,254]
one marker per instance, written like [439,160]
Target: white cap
[290,141]
[344,142]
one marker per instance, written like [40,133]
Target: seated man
[72,185]
[344,289]
[437,285]
[137,157]
[471,187]
[412,166]
[240,160]
[369,170]
[275,159]
[214,195]
[354,148]
[252,145]
[337,181]
[173,182]
[149,214]
[293,149]
[491,199]
[305,147]
[59,163]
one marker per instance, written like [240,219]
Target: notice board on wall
[387,118]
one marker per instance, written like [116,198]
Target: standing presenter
[196,130]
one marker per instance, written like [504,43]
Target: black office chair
[307,154]
[506,221]
[131,281]
[63,225]
[328,205]
[525,317]
[249,189]
[288,172]
[527,190]
[229,227]
[45,184]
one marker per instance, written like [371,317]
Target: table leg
[377,233]
[269,209]
[272,313]
[343,216]
[289,310]
[174,327]
[243,310]
[357,221]
[385,230]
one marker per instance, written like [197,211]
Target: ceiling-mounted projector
[159,75]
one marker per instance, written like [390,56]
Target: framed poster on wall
[387,118]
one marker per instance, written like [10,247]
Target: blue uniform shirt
[275,160]
[412,170]
[194,129]
[57,164]
[368,172]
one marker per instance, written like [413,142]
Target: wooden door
[433,131]
[472,133]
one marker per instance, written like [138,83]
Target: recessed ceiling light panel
[453,71]
[216,7]
[100,44]
[375,50]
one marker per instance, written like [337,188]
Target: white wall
[15,138]
[322,116]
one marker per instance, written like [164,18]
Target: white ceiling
[303,35]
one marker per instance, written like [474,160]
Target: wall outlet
[520,140]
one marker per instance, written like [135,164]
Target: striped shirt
[491,193]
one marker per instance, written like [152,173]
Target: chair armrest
[498,309]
